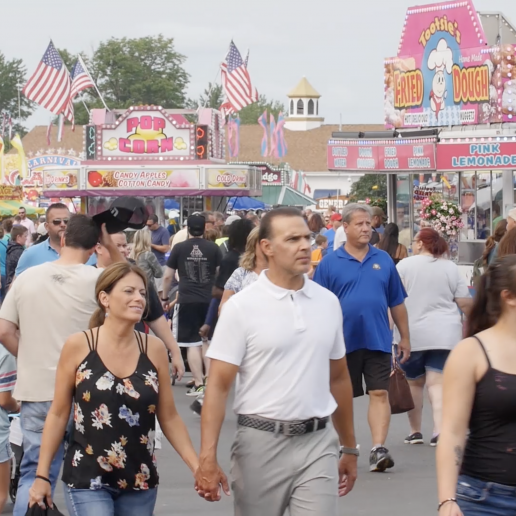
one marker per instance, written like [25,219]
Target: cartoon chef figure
[440,59]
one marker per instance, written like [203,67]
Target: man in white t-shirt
[22,213]
[291,371]
[45,305]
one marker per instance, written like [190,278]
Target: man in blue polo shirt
[57,217]
[368,285]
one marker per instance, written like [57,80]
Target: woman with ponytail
[118,381]
[490,250]
[476,457]
[436,289]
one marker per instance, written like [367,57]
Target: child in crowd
[8,405]
[320,251]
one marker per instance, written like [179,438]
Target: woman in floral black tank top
[119,381]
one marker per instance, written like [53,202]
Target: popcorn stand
[154,153]
[450,106]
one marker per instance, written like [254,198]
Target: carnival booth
[450,106]
[157,154]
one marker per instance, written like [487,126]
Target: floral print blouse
[114,425]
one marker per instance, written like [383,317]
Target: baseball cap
[336,216]
[378,212]
[512,214]
[231,219]
[196,225]
[123,213]
[42,230]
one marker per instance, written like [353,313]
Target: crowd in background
[396,305]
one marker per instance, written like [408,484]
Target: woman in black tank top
[118,380]
[476,473]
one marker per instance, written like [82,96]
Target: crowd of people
[304,311]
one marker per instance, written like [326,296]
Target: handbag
[36,510]
[400,396]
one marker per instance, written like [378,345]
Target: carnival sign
[144,133]
[476,156]
[143,179]
[227,178]
[381,156]
[444,74]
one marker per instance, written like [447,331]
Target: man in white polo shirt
[289,362]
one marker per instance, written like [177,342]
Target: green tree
[369,186]
[213,97]
[250,114]
[132,72]
[12,77]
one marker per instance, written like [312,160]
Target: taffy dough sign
[146,133]
[444,73]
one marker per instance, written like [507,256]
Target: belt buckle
[316,424]
[286,429]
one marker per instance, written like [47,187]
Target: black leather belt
[284,427]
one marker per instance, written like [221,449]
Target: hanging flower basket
[443,216]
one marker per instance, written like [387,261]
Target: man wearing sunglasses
[57,217]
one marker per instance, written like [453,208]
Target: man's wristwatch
[349,451]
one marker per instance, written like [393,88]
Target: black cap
[196,225]
[123,213]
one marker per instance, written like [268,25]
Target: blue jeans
[478,498]
[110,502]
[32,419]
[3,287]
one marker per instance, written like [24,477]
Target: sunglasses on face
[58,222]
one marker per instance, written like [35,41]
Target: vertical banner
[233,136]
[281,144]
[262,121]
[273,151]
[23,168]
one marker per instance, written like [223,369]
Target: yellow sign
[60,179]
[227,178]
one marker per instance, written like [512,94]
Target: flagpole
[85,68]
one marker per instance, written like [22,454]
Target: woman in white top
[436,290]
[252,263]
[144,257]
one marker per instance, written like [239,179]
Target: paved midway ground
[410,488]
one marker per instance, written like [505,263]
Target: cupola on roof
[304,90]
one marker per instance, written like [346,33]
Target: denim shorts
[422,361]
[478,498]
[5,451]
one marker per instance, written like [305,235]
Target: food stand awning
[10,209]
[284,195]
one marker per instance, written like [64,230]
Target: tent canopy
[171,204]
[10,209]
[246,203]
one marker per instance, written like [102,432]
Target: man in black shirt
[196,260]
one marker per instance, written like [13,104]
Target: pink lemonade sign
[445,74]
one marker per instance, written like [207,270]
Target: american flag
[236,82]
[80,78]
[50,85]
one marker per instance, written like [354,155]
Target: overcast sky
[339,45]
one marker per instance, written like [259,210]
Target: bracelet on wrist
[444,502]
[41,477]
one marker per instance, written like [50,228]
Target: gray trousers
[271,473]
